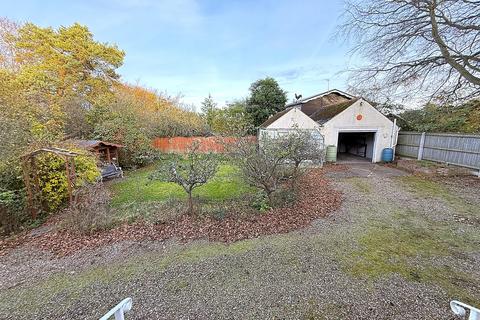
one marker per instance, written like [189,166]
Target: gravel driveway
[399,248]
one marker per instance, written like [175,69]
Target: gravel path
[307,274]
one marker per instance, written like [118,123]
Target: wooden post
[420,147]
[74,176]
[116,155]
[108,155]
[69,185]
[38,187]
[26,178]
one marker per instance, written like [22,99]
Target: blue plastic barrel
[387,155]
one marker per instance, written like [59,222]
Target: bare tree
[192,172]
[415,48]
[301,146]
[265,165]
[260,167]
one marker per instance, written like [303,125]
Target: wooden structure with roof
[105,151]
[32,180]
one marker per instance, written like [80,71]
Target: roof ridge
[336,104]
[331,111]
[322,94]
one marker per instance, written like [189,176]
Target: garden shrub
[123,128]
[53,180]
[12,211]
[90,212]
[273,165]
[261,167]
[260,202]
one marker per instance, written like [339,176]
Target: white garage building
[352,124]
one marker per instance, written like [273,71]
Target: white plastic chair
[119,310]
[460,309]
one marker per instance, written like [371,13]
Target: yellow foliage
[53,179]
[160,115]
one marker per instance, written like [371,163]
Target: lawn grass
[428,188]
[136,188]
[406,242]
[409,247]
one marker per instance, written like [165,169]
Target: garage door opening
[355,146]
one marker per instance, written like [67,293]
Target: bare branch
[422,49]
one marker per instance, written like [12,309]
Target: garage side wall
[362,117]
[294,118]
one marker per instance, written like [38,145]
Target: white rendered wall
[371,121]
[294,118]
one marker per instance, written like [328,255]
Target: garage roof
[326,113]
[320,107]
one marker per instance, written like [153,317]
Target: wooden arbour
[32,180]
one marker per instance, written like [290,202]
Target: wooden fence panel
[182,144]
[458,149]
[408,144]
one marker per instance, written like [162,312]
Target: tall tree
[266,98]
[68,60]
[422,48]
[463,118]
[54,75]
[232,120]
[208,109]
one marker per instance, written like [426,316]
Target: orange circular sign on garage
[359,117]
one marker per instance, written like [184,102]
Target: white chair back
[119,310]
[460,309]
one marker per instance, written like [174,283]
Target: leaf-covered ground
[316,198]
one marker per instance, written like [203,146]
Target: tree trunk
[270,198]
[190,203]
[295,176]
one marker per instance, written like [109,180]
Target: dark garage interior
[355,145]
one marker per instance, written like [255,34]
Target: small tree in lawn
[261,167]
[195,170]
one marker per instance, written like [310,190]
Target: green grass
[408,247]
[428,164]
[137,188]
[361,184]
[427,188]
[405,242]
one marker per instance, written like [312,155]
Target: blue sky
[197,47]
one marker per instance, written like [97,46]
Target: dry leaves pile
[316,198]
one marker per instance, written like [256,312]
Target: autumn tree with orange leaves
[58,84]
